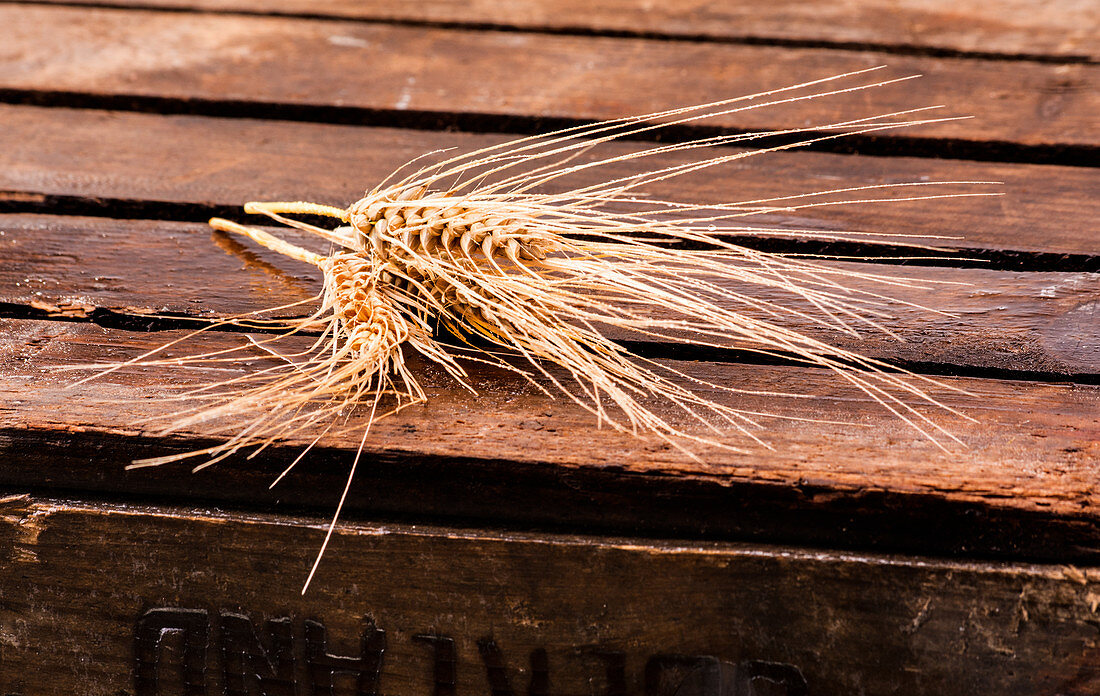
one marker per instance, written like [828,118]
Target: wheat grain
[477,245]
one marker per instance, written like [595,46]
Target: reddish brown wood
[1033,445]
[309,62]
[225,162]
[1063,29]
[86,583]
[1035,322]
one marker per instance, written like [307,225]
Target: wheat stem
[475,244]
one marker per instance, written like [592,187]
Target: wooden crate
[505,544]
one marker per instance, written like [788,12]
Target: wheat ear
[531,281]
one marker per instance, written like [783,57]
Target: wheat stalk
[475,244]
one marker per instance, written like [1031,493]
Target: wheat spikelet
[532,281]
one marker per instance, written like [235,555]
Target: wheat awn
[477,245]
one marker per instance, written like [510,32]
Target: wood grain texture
[225,162]
[1032,449]
[84,583]
[187,56]
[1067,28]
[1031,322]
[94,594]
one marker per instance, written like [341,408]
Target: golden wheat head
[493,251]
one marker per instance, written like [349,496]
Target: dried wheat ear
[528,278]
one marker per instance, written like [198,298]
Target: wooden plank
[185,56]
[512,454]
[1030,322]
[1065,29]
[130,599]
[225,162]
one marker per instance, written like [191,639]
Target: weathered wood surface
[187,167]
[137,163]
[513,455]
[197,600]
[292,61]
[1066,29]
[82,583]
[1014,321]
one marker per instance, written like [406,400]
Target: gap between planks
[129,273]
[1024,487]
[1065,32]
[1033,447]
[276,61]
[1045,219]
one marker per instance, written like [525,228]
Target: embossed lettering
[615,670]
[665,674]
[706,675]
[247,667]
[323,667]
[787,676]
[540,674]
[152,627]
[171,647]
[496,670]
[444,664]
